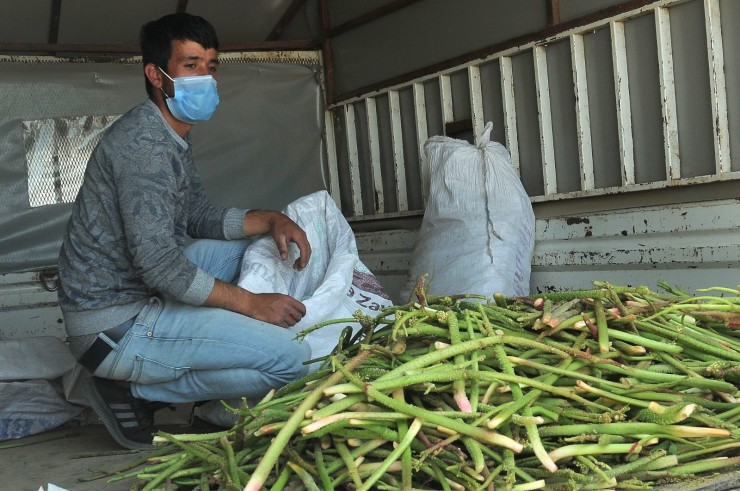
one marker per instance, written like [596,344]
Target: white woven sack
[334,284]
[477,234]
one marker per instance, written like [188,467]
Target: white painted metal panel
[399,161]
[591,125]
[476,101]
[373,139]
[331,157]
[445,94]
[354,159]
[547,144]
[28,308]
[509,100]
[718,87]
[694,245]
[668,94]
[583,119]
[624,111]
[422,135]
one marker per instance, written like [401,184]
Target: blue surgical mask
[195,98]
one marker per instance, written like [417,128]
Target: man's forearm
[258,222]
[230,297]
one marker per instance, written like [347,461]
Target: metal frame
[539,52]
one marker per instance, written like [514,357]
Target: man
[152,319]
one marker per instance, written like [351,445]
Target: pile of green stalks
[610,388]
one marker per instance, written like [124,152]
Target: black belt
[96,353]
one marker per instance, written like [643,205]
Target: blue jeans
[181,353]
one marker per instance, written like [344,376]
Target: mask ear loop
[162,88]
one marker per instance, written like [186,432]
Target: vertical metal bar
[374,145]
[583,116]
[509,102]
[547,144]
[718,86]
[476,101]
[354,160]
[327,53]
[668,94]
[331,155]
[624,112]
[445,94]
[399,162]
[422,134]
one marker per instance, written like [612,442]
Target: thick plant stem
[400,448]
[281,439]
[431,417]
[534,436]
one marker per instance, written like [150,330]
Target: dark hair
[156,37]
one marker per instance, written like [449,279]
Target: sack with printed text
[335,283]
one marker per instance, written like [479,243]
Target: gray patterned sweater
[140,198]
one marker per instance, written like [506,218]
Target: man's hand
[274,308]
[284,231]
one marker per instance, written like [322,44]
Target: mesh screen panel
[57,150]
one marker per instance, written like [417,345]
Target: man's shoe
[128,419]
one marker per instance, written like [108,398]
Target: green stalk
[475,385]
[532,432]
[282,479]
[306,478]
[362,450]
[680,380]
[466,347]
[230,469]
[321,468]
[406,458]
[644,341]
[565,393]
[400,448]
[601,327]
[431,417]
[635,465]
[349,463]
[571,374]
[628,428]
[281,439]
[174,467]
[719,352]
[593,467]
[697,467]
[591,449]
[458,385]
[357,415]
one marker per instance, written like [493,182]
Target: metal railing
[590,111]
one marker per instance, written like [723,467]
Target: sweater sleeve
[158,208]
